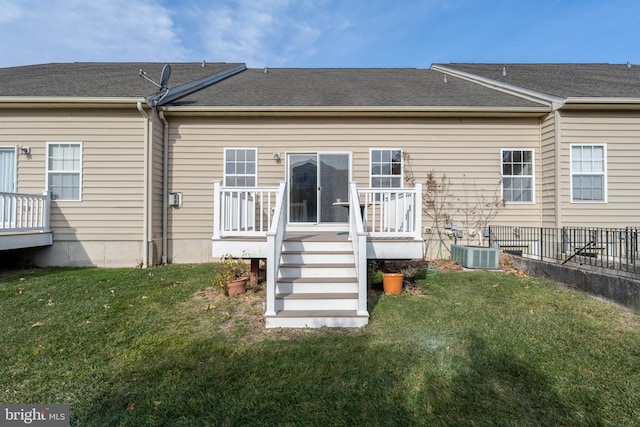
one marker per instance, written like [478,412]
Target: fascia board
[553,101]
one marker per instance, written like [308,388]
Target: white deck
[377,248]
[314,267]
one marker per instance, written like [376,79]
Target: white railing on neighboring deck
[243,211]
[24,212]
[359,241]
[392,212]
[275,237]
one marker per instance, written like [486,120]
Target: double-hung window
[240,167]
[517,176]
[386,168]
[588,173]
[64,170]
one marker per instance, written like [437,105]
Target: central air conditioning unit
[475,256]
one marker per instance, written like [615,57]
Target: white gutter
[553,101]
[68,100]
[145,209]
[577,103]
[353,110]
[165,188]
[602,100]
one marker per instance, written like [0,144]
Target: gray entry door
[318,187]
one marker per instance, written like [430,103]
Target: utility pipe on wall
[165,188]
[145,209]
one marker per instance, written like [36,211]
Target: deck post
[255,269]
[418,210]
[216,209]
[46,210]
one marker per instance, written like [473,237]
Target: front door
[319,187]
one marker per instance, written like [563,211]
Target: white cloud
[260,33]
[78,30]
[10,11]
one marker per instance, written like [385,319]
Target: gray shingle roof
[563,80]
[348,87]
[97,79]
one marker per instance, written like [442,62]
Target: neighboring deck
[24,239]
[24,221]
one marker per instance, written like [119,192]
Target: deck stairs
[317,284]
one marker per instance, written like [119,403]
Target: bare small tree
[479,209]
[437,206]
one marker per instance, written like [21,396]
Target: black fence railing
[611,248]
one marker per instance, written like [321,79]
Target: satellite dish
[154,99]
[164,77]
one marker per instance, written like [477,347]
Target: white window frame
[532,176]
[15,164]
[371,175]
[224,166]
[604,174]
[79,172]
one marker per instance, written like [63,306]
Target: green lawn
[156,347]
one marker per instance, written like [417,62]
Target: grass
[159,347]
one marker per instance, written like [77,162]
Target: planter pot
[237,287]
[392,283]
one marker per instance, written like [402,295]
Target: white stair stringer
[317,284]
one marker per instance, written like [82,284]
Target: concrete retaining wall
[618,289]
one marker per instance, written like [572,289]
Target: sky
[319,33]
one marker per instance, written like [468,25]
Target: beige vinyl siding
[548,171]
[112,175]
[463,148]
[620,132]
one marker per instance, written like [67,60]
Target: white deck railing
[24,212]
[392,212]
[243,211]
[386,212]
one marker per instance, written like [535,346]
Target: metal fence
[610,248]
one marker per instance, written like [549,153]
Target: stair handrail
[275,237]
[359,242]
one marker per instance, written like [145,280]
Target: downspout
[557,117]
[165,188]
[145,209]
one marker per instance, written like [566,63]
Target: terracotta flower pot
[392,283]
[237,287]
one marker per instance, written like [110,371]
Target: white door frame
[318,185]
